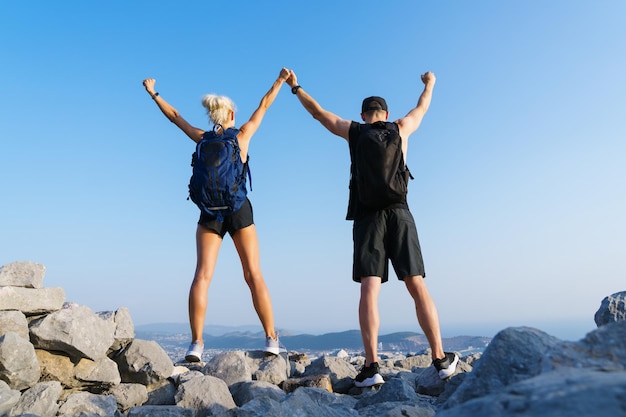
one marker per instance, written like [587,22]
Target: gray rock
[8,398]
[394,390]
[14,321]
[563,393]
[317,402]
[18,363]
[410,377]
[612,308]
[160,411]
[80,404]
[101,373]
[124,327]
[206,394]
[244,392]
[144,362]
[394,409]
[298,362]
[22,274]
[273,369]
[75,330]
[419,361]
[428,381]
[316,381]
[31,301]
[513,355]
[604,349]
[230,367]
[129,395]
[161,393]
[471,359]
[40,400]
[258,407]
[186,376]
[341,372]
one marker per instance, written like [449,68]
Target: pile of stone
[62,359]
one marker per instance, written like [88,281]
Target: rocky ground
[62,359]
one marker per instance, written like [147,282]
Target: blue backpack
[218,182]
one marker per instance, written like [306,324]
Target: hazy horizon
[571,330]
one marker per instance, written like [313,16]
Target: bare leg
[369,318]
[247,244]
[207,245]
[426,313]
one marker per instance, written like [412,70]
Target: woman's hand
[148,83]
[284,74]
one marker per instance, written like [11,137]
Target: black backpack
[218,181]
[379,176]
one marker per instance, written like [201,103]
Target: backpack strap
[246,169]
[232,133]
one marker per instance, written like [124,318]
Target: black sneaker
[369,376]
[446,366]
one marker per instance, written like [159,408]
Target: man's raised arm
[409,123]
[330,121]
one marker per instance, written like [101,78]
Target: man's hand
[148,83]
[428,78]
[292,80]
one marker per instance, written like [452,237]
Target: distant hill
[183,328]
[249,337]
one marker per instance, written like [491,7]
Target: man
[383,229]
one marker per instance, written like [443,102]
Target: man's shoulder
[355,129]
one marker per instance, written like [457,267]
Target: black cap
[373,103]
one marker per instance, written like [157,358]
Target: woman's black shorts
[236,221]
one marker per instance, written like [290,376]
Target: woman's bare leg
[247,244]
[207,245]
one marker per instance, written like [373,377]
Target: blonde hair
[218,108]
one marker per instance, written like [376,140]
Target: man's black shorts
[383,235]
[236,221]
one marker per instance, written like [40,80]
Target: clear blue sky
[520,163]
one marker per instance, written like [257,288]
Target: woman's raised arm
[171,113]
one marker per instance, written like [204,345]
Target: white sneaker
[194,353]
[446,366]
[273,346]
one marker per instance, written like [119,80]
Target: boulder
[31,301]
[124,328]
[22,274]
[612,309]
[18,362]
[144,362]
[88,404]
[230,367]
[40,400]
[205,394]
[75,330]
[8,398]
[14,321]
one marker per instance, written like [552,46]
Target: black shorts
[236,221]
[384,235]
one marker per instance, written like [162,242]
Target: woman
[240,225]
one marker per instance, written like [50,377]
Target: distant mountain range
[249,337]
